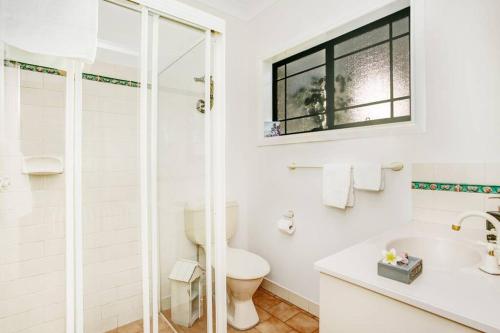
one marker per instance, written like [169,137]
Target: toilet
[244,270]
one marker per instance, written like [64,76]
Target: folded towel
[337,186]
[368,177]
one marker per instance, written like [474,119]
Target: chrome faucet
[490,262]
[488,217]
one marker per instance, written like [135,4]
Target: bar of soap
[405,273]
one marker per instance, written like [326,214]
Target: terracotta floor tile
[234,330]
[266,301]
[263,315]
[260,292]
[273,325]
[133,327]
[284,311]
[303,323]
[165,330]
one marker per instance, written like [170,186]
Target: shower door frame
[214,29]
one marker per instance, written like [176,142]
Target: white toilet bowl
[245,271]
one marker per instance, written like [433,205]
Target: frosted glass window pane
[305,63]
[361,41]
[400,27]
[363,77]
[280,93]
[306,124]
[402,108]
[305,93]
[281,72]
[366,113]
[401,59]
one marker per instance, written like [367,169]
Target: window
[361,78]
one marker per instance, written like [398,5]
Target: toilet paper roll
[286,226]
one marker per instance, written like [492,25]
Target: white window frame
[417,124]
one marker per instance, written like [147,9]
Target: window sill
[402,128]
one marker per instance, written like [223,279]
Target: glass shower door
[184,278]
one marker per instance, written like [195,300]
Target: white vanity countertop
[465,295]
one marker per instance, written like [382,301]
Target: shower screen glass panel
[112,266]
[32,232]
[181,177]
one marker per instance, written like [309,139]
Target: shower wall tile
[31,79]
[53,82]
[32,258]
[111,240]
[32,262]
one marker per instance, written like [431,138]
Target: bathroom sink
[437,253]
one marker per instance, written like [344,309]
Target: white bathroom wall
[32,236]
[462,81]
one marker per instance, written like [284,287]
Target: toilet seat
[244,265]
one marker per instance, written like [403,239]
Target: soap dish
[405,273]
[42,165]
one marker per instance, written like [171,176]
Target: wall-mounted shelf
[42,165]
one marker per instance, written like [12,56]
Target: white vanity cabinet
[346,307]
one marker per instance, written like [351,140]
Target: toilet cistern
[490,262]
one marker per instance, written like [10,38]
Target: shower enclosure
[98,164]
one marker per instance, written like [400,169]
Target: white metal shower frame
[214,29]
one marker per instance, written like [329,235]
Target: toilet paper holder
[289,215]
[287,225]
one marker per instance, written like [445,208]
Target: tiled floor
[136,327]
[276,316]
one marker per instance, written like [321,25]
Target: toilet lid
[244,265]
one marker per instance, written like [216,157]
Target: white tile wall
[112,262]
[443,207]
[32,238]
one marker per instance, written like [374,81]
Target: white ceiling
[242,9]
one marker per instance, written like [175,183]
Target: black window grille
[361,78]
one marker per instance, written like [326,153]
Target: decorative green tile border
[106,79]
[85,76]
[34,68]
[467,188]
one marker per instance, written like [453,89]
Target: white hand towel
[368,177]
[337,186]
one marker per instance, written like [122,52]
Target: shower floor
[276,316]
[136,327]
